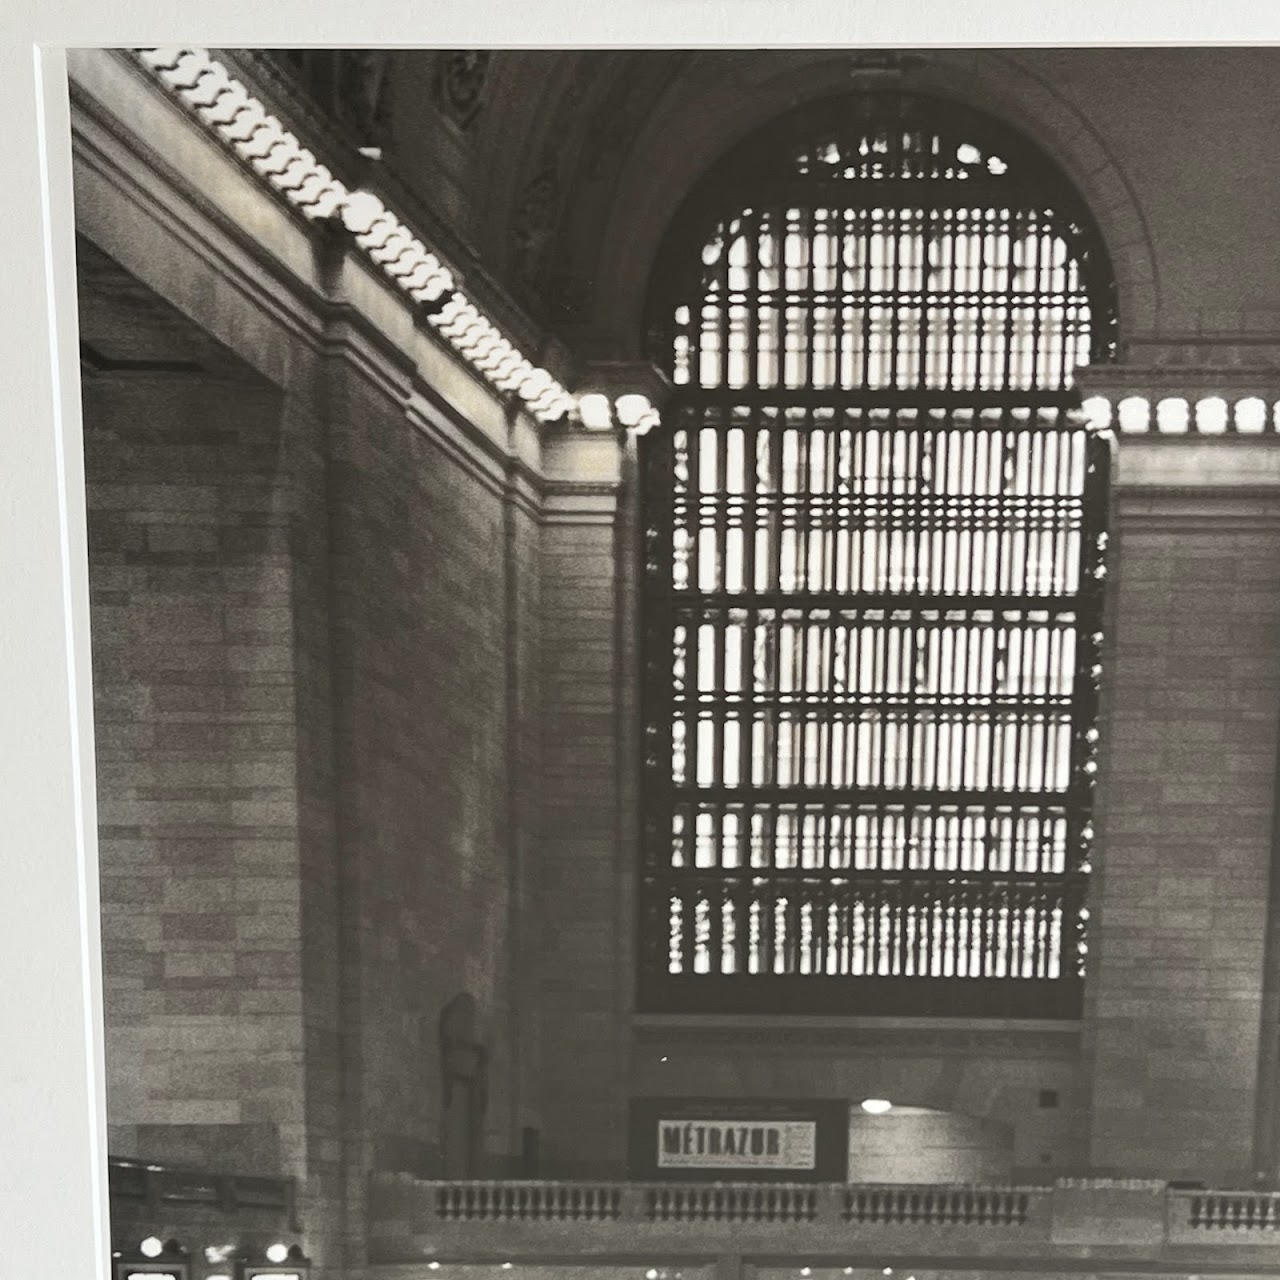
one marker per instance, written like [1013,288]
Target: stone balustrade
[416,1223]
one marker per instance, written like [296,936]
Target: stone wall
[316,661]
[1188,787]
[582,998]
[195,698]
[420,696]
[316,638]
[1022,1078]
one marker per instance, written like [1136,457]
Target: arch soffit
[657,176]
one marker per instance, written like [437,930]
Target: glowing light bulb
[631,408]
[593,409]
[1172,415]
[1251,414]
[360,210]
[277,1252]
[1135,414]
[876,1107]
[151,1247]
[1211,415]
[1098,410]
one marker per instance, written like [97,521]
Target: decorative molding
[461,78]
[535,211]
[242,123]
[350,87]
[115,164]
[222,248]
[533,224]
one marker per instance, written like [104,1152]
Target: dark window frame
[890,926]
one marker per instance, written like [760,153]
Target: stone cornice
[310,293]
[227,109]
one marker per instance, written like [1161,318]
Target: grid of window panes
[874,529]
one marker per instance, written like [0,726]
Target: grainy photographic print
[686,659]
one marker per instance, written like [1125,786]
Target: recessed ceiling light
[876,1106]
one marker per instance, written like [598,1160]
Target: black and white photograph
[670,661]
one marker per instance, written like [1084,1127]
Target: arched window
[874,522]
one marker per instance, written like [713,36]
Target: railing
[731,1202]
[415,1221]
[528,1201]
[773,1202]
[939,1205]
[1230,1217]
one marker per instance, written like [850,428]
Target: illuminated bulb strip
[1135,413]
[242,122]
[226,107]
[631,410]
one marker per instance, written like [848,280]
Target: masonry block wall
[582,990]
[915,1145]
[209,587]
[998,1077]
[316,646]
[1186,831]
[420,696]
[197,752]
[507,1123]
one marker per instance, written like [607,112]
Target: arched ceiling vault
[588,155]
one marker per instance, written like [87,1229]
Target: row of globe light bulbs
[1176,414]
[884,1271]
[403,257]
[663,1273]
[633,411]
[244,124]
[262,142]
[276,1254]
[421,274]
